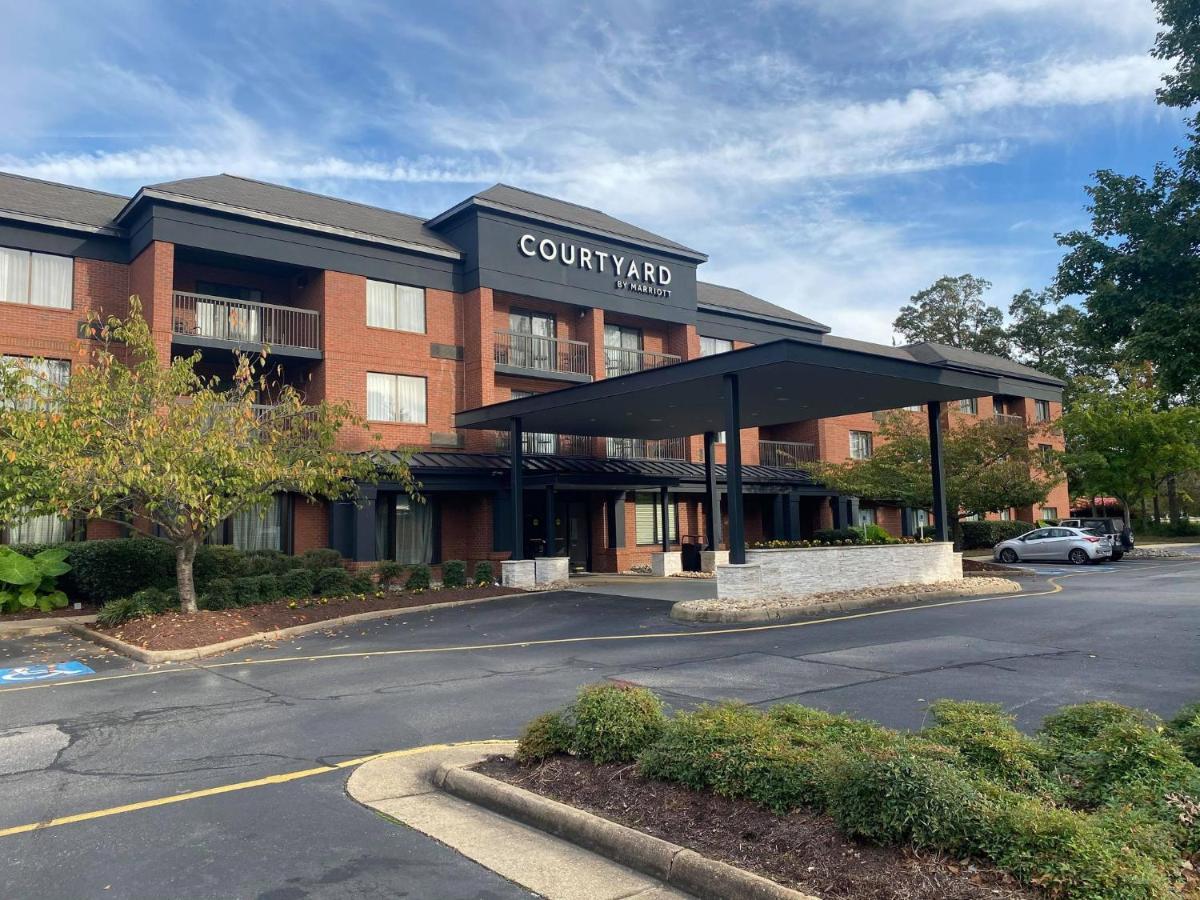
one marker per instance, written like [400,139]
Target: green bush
[838,536]
[389,572]
[219,561]
[246,591]
[484,573]
[218,595]
[614,722]
[297,583]
[543,737]
[333,581]
[29,581]
[323,558]
[268,562]
[876,534]
[362,583]
[146,602]
[109,570]
[419,579]
[988,743]
[988,533]
[270,588]
[454,573]
[1184,731]
[155,600]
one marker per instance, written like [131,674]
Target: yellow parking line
[282,778]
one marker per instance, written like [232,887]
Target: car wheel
[1079,557]
[1115,557]
[1008,555]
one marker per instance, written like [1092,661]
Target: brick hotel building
[409,321]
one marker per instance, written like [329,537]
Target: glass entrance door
[579,538]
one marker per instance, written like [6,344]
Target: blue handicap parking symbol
[68,669]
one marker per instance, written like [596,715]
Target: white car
[1075,545]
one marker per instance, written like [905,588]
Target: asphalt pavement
[222,778]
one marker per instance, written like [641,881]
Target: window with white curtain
[36,279]
[258,527]
[411,528]
[861,444]
[969,405]
[395,398]
[710,346]
[43,372]
[649,519]
[47,529]
[399,307]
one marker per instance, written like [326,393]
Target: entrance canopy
[783,381]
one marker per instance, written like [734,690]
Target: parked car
[1118,532]
[1076,545]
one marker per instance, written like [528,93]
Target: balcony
[1006,419]
[204,321]
[538,444]
[623,361]
[535,356]
[786,454]
[639,448]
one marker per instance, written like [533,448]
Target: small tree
[163,449]
[988,466]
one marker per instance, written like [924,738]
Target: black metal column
[517,486]
[548,531]
[664,507]
[733,469]
[364,523]
[941,530]
[712,495]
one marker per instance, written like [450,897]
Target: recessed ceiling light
[782,399]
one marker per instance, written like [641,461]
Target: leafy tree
[951,311]
[1042,332]
[988,466]
[163,449]
[1121,441]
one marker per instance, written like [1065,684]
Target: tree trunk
[1125,513]
[1157,510]
[185,555]
[1174,510]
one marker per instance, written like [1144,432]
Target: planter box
[797,572]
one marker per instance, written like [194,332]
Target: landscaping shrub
[614,722]
[29,581]
[838,536]
[155,600]
[361,583]
[543,737]
[454,573]
[419,579]
[389,572]
[333,581]
[269,588]
[1184,731]
[989,744]
[125,609]
[268,562]
[218,595]
[484,573]
[245,591]
[986,534]
[323,558]
[297,583]
[876,534]
[109,570]
[219,561]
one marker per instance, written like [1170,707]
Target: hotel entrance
[571,527]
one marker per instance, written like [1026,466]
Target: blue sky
[833,156]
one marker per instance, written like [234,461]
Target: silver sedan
[1075,545]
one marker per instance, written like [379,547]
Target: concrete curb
[818,610]
[670,863]
[30,627]
[162,656]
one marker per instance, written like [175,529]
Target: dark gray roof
[942,354]
[741,302]
[58,204]
[259,199]
[506,198]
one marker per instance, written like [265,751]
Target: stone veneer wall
[792,573]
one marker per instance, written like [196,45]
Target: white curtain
[395,398]
[397,306]
[51,280]
[257,528]
[47,529]
[414,531]
[648,519]
[381,308]
[14,275]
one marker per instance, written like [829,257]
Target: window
[255,528]
[47,529]
[41,371]
[649,520]
[710,346]
[535,441]
[1049,512]
[399,307]
[531,346]
[1046,452]
[36,279]
[395,398]
[866,516]
[1006,515]
[970,405]
[1041,410]
[861,444]
[404,529]
[916,408]
[622,350]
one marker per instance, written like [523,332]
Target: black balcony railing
[639,448]
[245,322]
[786,454]
[622,361]
[535,353]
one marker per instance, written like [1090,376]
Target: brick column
[590,328]
[152,277]
[479,361]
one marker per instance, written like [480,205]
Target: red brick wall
[310,525]
[152,277]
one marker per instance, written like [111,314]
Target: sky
[831,156]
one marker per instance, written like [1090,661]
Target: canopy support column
[549,532]
[733,469]
[664,508]
[516,483]
[935,463]
[712,494]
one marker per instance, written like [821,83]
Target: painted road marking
[48,672]
[463,648]
[282,778]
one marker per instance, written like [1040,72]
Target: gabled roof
[60,205]
[505,198]
[945,355]
[301,209]
[733,300]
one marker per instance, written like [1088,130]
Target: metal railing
[534,443]
[541,354]
[245,321]
[786,454]
[1006,419]
[642,448]
[622,361]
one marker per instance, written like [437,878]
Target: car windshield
[1092,531]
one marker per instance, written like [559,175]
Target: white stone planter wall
[551,570]
[664,564]
[710,559]
[518,573]
[771,574]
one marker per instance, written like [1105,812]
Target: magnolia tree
[988,465]
[165,450]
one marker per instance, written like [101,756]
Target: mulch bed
[185,631]
[980,565]
[803,850]
[66,612]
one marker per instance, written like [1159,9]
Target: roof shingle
[31,198]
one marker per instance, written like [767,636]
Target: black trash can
[689,553]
